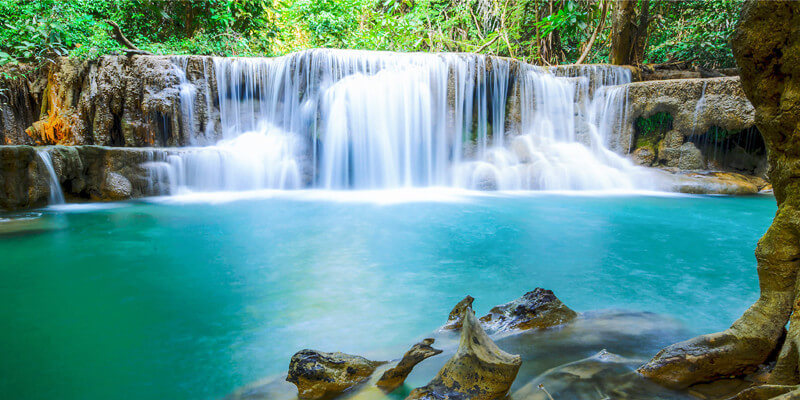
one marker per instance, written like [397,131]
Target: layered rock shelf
[119,117]
[85,173]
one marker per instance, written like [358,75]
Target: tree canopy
[537,31]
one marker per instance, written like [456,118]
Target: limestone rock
[724,104]
[116,187]
[696,105]
[318,375]
[23,178]
[718,183]
[603,375]
[454,320]
[765,392]
[644,156]
[539,308]
[478,371]
[690,157]
[683,364]
[394,377]
[112,101]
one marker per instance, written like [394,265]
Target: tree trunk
[623,26]
[627,36]
[766,46]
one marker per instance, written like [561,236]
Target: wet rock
[695,105]
[23,178]
[536,309]
[455,319]
[484,177]
[111,101]
[690,157]
[394,377]
[720,389]
[319,375]
[724,104]
[271,388]
[765,392]
[116,187]
[717,183]
[479,370]
[644,156]
[602,376]
[673,152]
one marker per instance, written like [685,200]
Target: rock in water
[393,378]
[319,375]
[602,376]
[539,308]
[454,320]
[478,371]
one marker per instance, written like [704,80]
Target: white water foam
[343,119]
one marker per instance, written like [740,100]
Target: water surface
[193,297]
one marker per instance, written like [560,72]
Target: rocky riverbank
[477,360]
[85,173]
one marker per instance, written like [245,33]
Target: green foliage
[694,30]
[43,29]
[569,21]
[649,131]
[717,134]
[538,31]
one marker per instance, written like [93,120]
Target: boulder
[478,371]
[690,157]
[454,320]
[320,375]
[644,156]
[116,187]
[394,377]
[536,309]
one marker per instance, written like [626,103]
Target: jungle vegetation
[537,31]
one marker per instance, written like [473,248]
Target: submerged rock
[478,371]
[536,309]
[394,377]
[602,376]
[454,320]
[318,375]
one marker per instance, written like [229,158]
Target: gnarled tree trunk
[767,49]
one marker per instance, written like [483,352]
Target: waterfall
[346,119]
[56,196]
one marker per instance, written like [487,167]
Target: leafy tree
[537,31]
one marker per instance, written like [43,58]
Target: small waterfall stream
[56,194]
[344,119]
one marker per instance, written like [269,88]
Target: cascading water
[56,195]
[341,119]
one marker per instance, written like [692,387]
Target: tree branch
[594,34]
[120,37]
